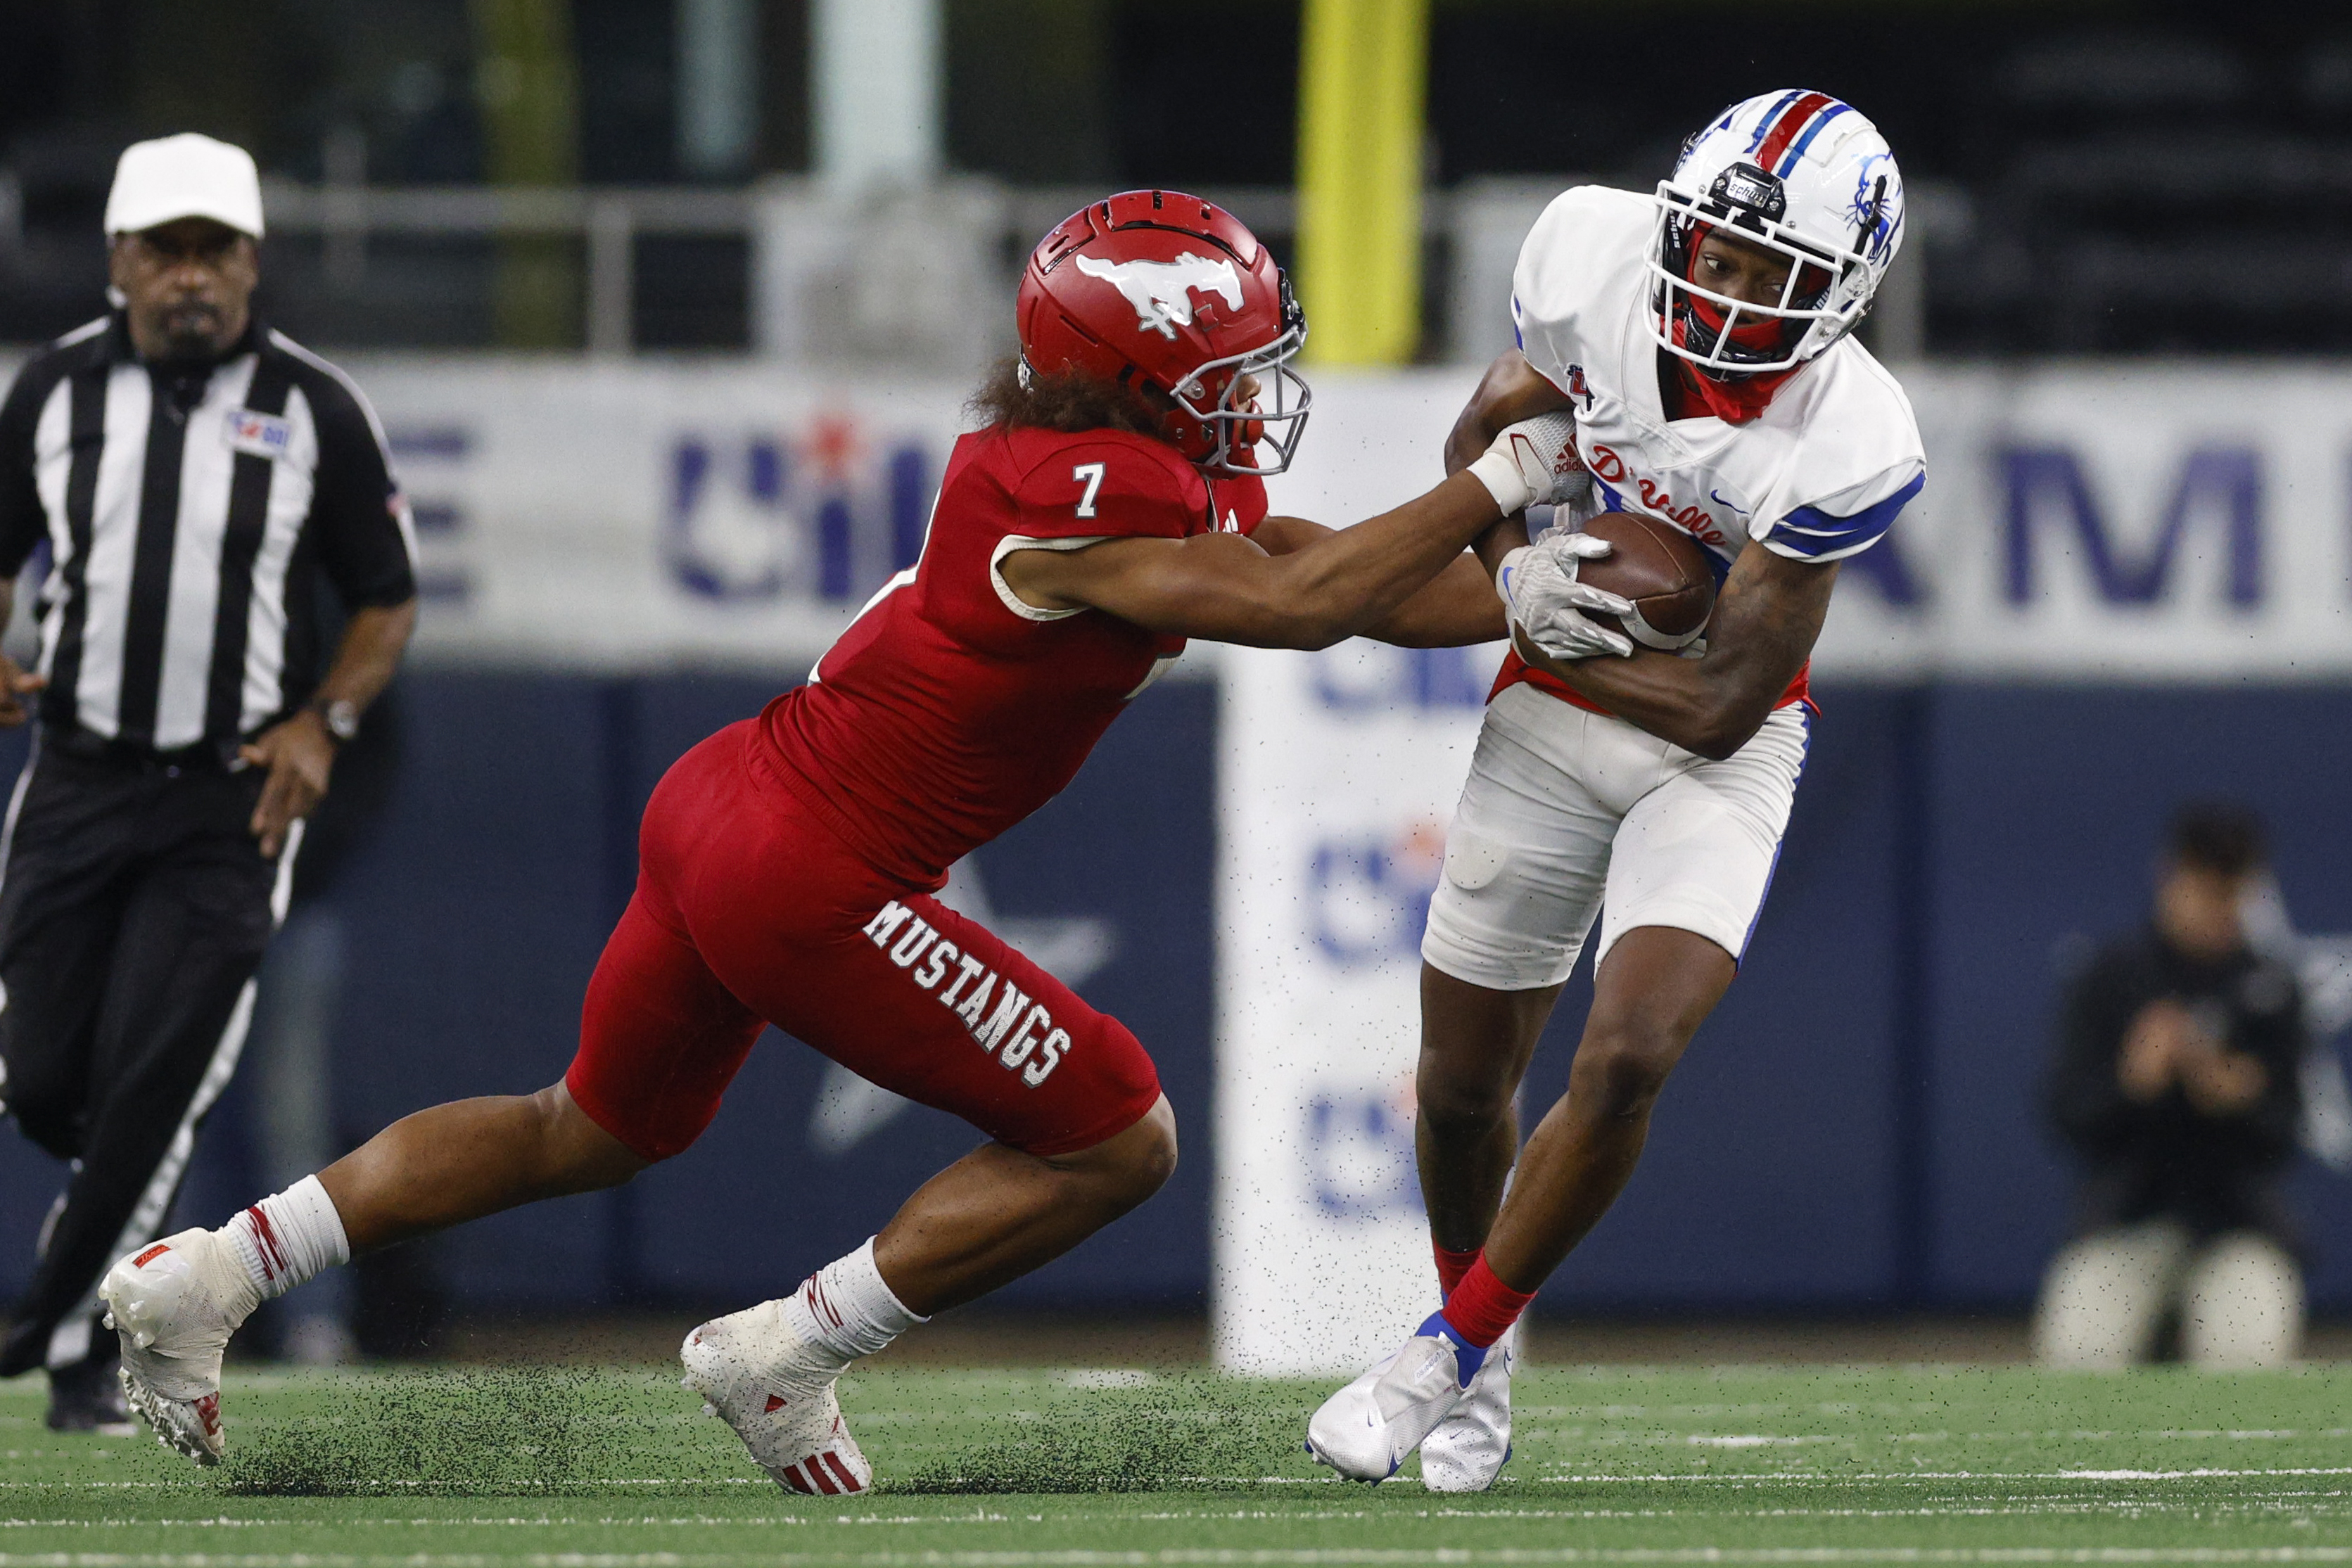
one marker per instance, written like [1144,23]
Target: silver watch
[341,717]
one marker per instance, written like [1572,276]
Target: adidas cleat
[1469,1448]
[777,1391]
[174,1305]
[1366,1430]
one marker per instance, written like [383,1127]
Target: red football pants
[751,910]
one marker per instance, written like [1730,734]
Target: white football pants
[2240,1297]
[1569,812]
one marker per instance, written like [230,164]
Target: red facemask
[1741,398]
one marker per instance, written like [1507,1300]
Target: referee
[195,476]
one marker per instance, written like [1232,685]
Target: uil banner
[641,516]
[2080,522]
[1338,772]
[2173,523]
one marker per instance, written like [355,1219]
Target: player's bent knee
[575,1154]
[1623,1066]
[1476,1042]
[1129,1166]
[1151,1160]
[1452,1103]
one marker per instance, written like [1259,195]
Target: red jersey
[950,710]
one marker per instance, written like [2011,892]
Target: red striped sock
[1451,1266]
[1482,1308]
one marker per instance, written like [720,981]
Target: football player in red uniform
[1110,508]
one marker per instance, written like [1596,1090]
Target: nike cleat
[174,1305]
[1366,1430]
[777,1391]
[1469,1448]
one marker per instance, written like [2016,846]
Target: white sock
[847,1308]
[285,1240]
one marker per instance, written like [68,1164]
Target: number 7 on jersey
[1092,473]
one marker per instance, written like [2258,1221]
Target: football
[1664,570]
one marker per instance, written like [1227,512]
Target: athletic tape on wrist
[1503,481]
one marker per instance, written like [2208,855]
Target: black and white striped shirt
[189,513]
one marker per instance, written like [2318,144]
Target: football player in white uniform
[1701,338]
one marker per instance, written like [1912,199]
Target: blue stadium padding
[29,1179]
[1767,1182]
[476,916]
[2048,806]
[1878,1057]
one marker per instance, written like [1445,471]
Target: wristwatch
[341,717]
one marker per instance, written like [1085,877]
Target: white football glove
[1534,462]
[1543,599]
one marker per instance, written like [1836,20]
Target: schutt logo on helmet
[1746,185]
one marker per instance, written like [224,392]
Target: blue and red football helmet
[1795,174]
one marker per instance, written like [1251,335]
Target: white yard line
[1720,1477]
[1335,1557]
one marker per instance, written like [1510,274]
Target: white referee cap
[184,176]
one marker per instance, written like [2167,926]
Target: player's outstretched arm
[1458,607]
[1766,620]
[1227,588]
[1455,608]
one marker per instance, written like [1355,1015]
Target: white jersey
[1818,475]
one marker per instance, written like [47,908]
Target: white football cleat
[777,1391]
[1366,1430]
[1467,1449]
[174,1303]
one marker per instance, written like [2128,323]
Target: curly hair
[1067,401]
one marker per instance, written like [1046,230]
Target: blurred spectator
[2177,1082]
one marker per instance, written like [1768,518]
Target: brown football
[1664,570]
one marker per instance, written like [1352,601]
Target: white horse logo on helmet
[1161,291]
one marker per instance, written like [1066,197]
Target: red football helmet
[1166,289]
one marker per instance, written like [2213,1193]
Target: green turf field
[569,1469]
